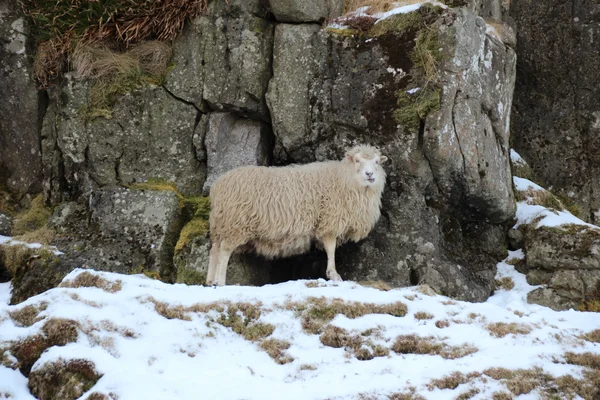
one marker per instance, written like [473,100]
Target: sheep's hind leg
[329,244]
[213,262]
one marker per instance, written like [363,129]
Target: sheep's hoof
[334,276]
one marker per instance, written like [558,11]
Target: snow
[527,213]
[178,359]
[8,241]
[516,157]
[399,8]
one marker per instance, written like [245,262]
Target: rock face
[148,136]
[21,108]
[556,123]
[223,59]
[305,10]
[449,184]
[567,261]
[234,142]
[260,87]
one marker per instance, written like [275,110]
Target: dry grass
[452,381]
[592,336]
[28,315]
[501,396]
[505,283]
[314,284]
[56,25]
[87,279]
[468,394]
[379,285]
[442,323]
[35,217]
[501,329]
[413,344]
[316,312]
[410,394]
[307,367]
[423,315]
[43,235]
[276,348]
[588,359]
[355,344]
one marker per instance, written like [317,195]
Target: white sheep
[279,211]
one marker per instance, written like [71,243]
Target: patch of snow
[527,213]
[8,241]
[411,91]
[172,358]
[5,289]
[516,157]
[522,184]
[13,385]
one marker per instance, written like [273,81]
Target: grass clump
[63,379]
[452,381]
[379,285]
[501,329]
[276,348]
[355,344]
[413,344]
[88,279]
[316,312]
[505,283]
[35,217]
[196,227]
[58,25]
[190,276]
[19,256]
[442,323]
[592,336]
[588,359]
[422,315]
[28,315]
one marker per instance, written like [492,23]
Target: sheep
[280,211]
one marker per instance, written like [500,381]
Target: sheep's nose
[369,174]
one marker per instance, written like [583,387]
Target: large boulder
[232,142]
[21,108]
[449,192]
[148,136]
[556,125]
[223,59]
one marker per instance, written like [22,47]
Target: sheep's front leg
[213,262]
[329,244]
[225,250]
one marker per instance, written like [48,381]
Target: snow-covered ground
[187,359]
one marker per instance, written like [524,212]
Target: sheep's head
[366,161]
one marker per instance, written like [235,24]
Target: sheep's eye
[356,161]
[377,162]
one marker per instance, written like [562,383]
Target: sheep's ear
[383,159]
[350,157]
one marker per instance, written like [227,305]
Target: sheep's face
[369,171]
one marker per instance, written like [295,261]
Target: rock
[446,208]
[234,142]
[224,58]
[148,136]
[515,239]
[568,289]
[305,10]
[567,260]
[192,266]
[63,379]
[21,107]
[6,222]
[572,247]
[557,126]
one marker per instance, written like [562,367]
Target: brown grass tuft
[501,329]
[443,323]
[592,336]
[452,381]
[87,279]
[421,315]
[276,348]
[588,359]
[413,344]
[468,394]
[28,315]
[505,283]
[380,285]
[316,312]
